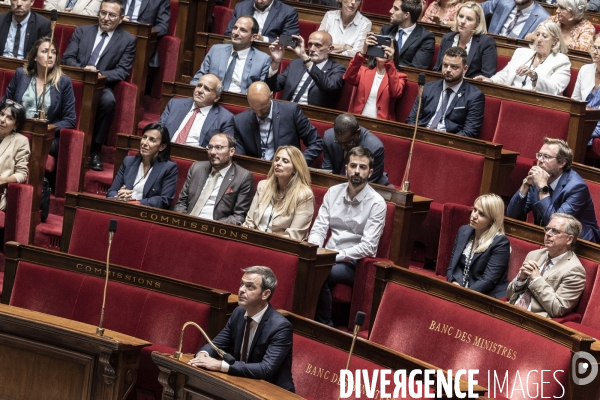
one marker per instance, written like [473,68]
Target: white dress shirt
[193,138]
[10,39]
[519,284]
[209,207]
[304,98]
[238,72]
[140,181]
[356,225]
[370,109]
[266,135]
[136,9]
[455,43]
[405,34]
[442,125]
[516,30]
[354,34]
[98,39]
[261,17]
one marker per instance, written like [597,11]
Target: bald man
[310,78]
[269,124]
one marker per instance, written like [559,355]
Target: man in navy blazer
[451,104]
[37,27]
[213,118]
[269,124]
[310,78]
[416,45]
[239,71]
[504,12]
[108,50]
[346,134]
[259,338]
[553,187]
[274,18]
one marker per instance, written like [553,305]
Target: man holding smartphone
[310,78]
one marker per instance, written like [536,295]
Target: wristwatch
[307,61]
[525,182]
[545,189]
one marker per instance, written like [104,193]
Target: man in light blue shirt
[20,29]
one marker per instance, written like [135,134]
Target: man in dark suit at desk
[20,28]
[109,50]
[414,44]
[259,338]
[311,78]
[217,189]
[274,18]
[451,104]
[269,124]
[194,121]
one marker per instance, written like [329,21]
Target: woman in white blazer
[544,67]
[588,82]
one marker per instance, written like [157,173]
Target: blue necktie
[130,10]
[96,53]
[17,43]
[442,110]
[71,4]
[229,73]
[400,33]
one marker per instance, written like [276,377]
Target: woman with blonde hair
[481,251]
[543,67]
[28,88]
[441,12]
[284,203]
[470,33]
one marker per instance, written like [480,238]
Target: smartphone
[287,40]
[377,50]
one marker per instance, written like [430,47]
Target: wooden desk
[182,381]
[46,357]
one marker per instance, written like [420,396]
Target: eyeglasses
[346,142]
[595,49]
[111,16]
[13,103]
[217,148]
[553,231]
[544,157]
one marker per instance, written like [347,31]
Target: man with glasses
[551,279]
[551,187]
[109,50]
[20,29]
[194,121]
[217,189]
[346,134]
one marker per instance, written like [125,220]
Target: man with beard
[513,18]
[551,187]
[451,105]
[217,189]
[274,18]
[238,64]
[20,28]
[194,121]
[355,214]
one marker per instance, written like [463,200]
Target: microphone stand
[358,322]
[225,356]
[112,229]
[405,181]
[42,111]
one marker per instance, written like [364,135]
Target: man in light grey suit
[237,64]
[514,18]
[552,279]
[217,189]
[194,121]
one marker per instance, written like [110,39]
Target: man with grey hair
[258,336]
[193,121]
[551,280]
[551,187]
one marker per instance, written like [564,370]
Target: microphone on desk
[228,358]
[112,228]
[53,18]
[405,181]
[359,320]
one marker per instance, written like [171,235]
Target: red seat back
[62,36]
[569,89]
[591,317]
[501,62]
[376,7]
[595,193]
[222,17]
[5,78]
[396,157]
[306,28]
[490,118]
[405,102]
[518,251]
[233,108]
[174,14]
[453,217]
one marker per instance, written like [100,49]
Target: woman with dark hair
[150,176]
[14,147]
[28,87]
[378,86]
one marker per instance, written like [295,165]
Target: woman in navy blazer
[481,251]
[60,109]
[470,34]
[149,177]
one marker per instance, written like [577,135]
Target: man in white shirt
[274,18]
[267,357]
[551,280]
[20,29]
[311,78]
[194,121]
[217,189]
[238,64]
[355,214]
[513,18]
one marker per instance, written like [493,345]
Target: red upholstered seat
[591,316]
[376,7]
[183,166]
[168,54]
[222,17]
[453,217]
[458,337]
[490,118]
[502,61]
[5,78]
[306,28]
[173,20]
[62,36]
[594,189]
[515,119]
[518,251]
[405,102]
[591,270]
[234,109]
[345,95]
[396,157]
[569,89]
